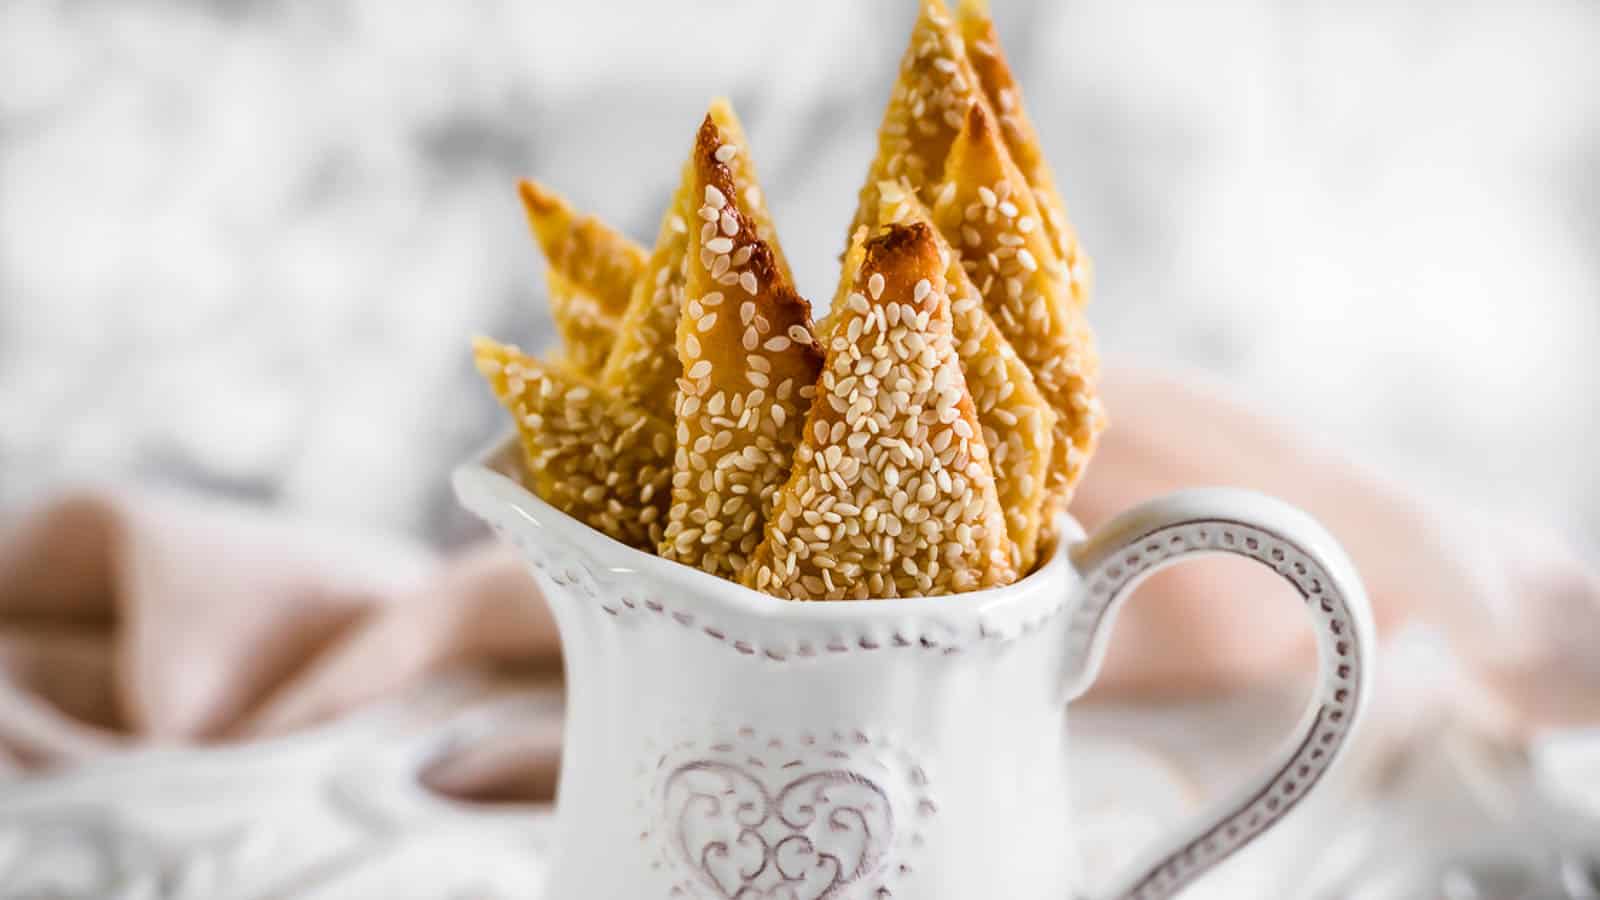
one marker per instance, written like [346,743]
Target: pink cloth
[129,617]
[1521,609]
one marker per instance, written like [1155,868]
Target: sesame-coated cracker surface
[1005,99]
[892,494]
[750,364]
[927,105]
[1016,419]
[643,367]
[591,274]
[987,213]
[850,265]
[586,452]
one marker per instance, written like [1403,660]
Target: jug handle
[1184,525]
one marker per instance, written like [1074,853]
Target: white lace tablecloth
[343,812]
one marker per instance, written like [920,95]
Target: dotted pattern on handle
[1111,580]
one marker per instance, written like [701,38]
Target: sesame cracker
[1015,418]
[1025,292]
[591,274]
[750,363]
[892,494]
[585,451]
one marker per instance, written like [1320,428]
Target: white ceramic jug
[724,744]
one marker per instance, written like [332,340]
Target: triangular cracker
[986,212]
[587,453]
[927,105]
[892,494]
[591,274]
[1016,418]
[1004,94]
[643,367]
[750,366]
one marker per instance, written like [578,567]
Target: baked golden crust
[891,494]
[750,364]
[587,332]
[927,106]
[850,265]
[1005,100]
[985,210]
[591,273]
[586,452]
[643,367]
[747,185]
[1016,419]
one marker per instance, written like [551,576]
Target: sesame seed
[875,285]
[700,369]
[719,245]
[726,153]
[714,197]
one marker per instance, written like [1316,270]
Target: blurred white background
[243,243]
